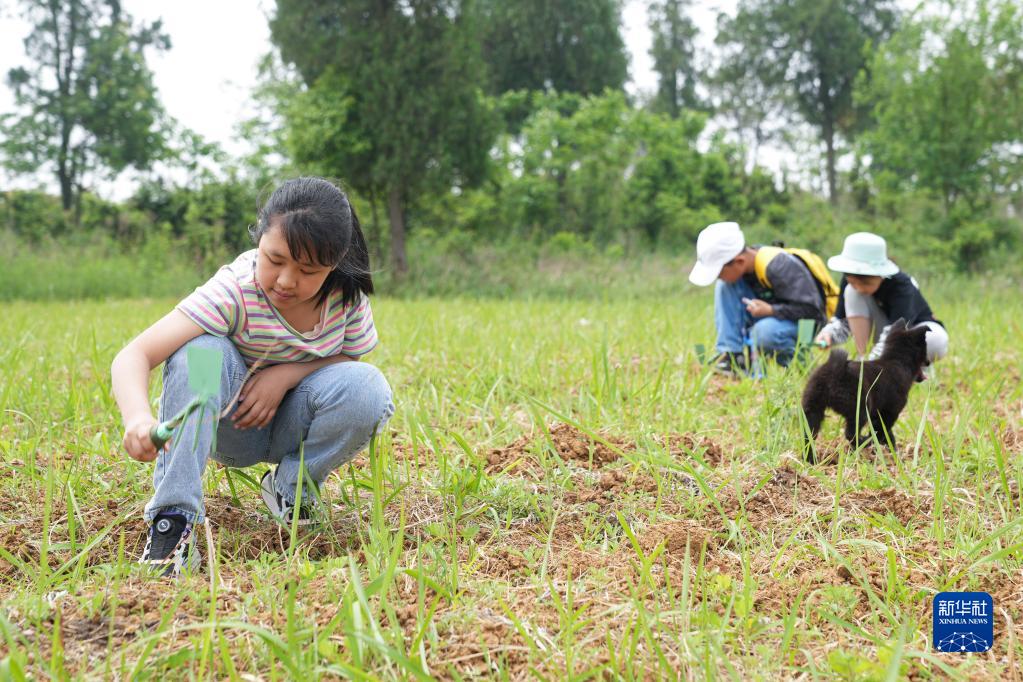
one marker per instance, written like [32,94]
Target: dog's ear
[900,324]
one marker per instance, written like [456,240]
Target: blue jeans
[334,411]
[736,327]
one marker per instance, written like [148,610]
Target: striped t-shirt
[232,304]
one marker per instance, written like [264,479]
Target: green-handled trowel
[204,379]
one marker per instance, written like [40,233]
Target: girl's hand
[261,395]
[823,338]
[137,441]
[758,308]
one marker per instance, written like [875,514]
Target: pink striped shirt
[232,304]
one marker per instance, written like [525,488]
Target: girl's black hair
[319,223]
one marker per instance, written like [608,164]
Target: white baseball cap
[716,245]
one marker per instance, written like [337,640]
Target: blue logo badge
[963,621]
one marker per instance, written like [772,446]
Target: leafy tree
[392,98]
[86,103]
[813,49]
[31,215]
[947,98]
[674,54]
[595,172]
[746,91]
[567,46]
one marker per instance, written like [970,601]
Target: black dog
[885,387]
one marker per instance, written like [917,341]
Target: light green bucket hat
[863,253]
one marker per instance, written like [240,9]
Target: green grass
[563,493]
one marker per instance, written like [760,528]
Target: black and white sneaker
[280,508]
[170,546]
[732,364]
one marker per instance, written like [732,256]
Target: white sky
[204,80]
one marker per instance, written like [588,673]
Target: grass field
[564,493]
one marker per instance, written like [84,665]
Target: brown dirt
[883,502]
[22,532]
[567,442]
[515,458]
[572,445]
[676,535]
[588,547]
[244,534]
[784,496]
[1012,440]
[609,487]
[473,639]
[685,444]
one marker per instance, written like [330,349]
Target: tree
[814,50]
[392,98]
[747,92]
[948,103]
[567,46]
[596,172]
[674,54]
[87,103]
[946,93]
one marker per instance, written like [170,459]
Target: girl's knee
[211,342]
[358,388]
[205,341]
[373,405]
[377,394]
[232,366]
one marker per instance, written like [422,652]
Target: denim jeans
[736,327]
[334,411]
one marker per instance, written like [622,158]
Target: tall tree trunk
[559,178]
[64,61]
[396,214]
[829,142]
[66,185]
[78,206]
[376,240]
[758,139]
[670,94]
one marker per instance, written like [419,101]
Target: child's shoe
[280,508]
[732,364]
[170,546]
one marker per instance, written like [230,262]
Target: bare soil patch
[883,502]
[581,449]
[785,495]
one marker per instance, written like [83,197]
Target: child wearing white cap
[750,310]
[875,293]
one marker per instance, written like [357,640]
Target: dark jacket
[896,297]
[794,293]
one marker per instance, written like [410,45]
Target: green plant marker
[204,366]
[804,332]
[701,353]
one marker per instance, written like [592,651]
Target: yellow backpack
[826,285]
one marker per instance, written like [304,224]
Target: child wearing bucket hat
[875,293]
[760,295]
